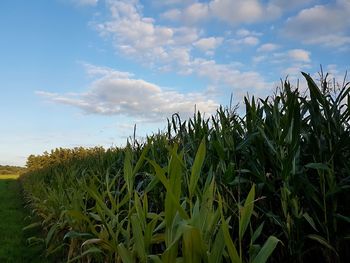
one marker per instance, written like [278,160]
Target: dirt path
[13,246]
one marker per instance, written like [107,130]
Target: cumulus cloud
[292,55]
[242,11]
[172,14]
[291,4]
[232,12]
[119,93]
[325,25]
[296,60]
[249,41]
[299,55]
[235,12]
[258,59]
[244,37]
[172,2]
[268,47]
[230,75]
[170,48]
[209,43]
[85,2]
[141,38]
[293,71]
[191,14]
[242,32]
[289,62]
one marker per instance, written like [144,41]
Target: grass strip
[13,246]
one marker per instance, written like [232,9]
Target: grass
[13,246]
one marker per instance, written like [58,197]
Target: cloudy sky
[83,72]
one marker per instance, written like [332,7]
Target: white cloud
[86,2]
[244,11]
[172,14]
[118,93]
[293,71]
[331,40]
[170,48]
[235,12]
[258,59]
[230,75]
[291,56]
[291,62]
[209,43]
[190,15]
[291,4]
[141,38]
[197,12]
[325,25]
[268,47]
[335,73]
[242,32]
[232,12]
[251,41]
[299,55]
[172,2]
[245,37]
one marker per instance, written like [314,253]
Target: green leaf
[232,251]
[217,248]
[268,141]
[138,238]
[128,171]
[92,241]
[160,174]
[257,233]
[141,159]
[74,234]
[91,250]
[310,221]
[155,259]
[192,244]
[51,233]
[246,212]
[31,226]
[125,254]
[197,166]
[266,250]
[344,218]
[317,166]
[315,92]
[322,241]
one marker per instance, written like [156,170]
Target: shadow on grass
[13,240]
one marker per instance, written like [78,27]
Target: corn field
[272,185]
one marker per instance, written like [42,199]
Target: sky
[84,72]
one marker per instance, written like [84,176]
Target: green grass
[13,247]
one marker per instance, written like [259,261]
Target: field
[8,176]
[271,185]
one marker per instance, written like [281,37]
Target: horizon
[84,72]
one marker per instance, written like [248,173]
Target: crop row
[272,185]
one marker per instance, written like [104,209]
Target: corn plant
[271,184]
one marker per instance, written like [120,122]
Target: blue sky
[83,72]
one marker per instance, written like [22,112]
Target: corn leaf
[246,212]
[197,166]
[267,249]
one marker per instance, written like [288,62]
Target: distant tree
[8,169]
